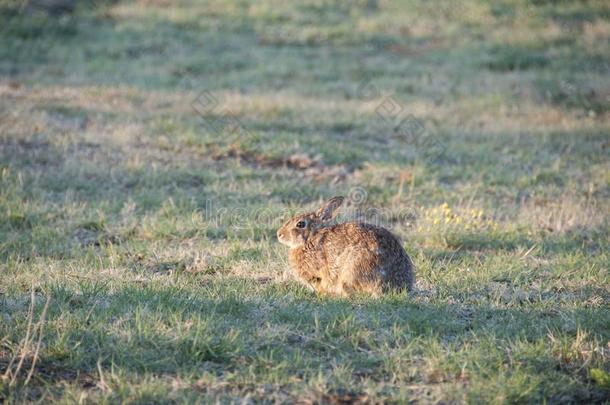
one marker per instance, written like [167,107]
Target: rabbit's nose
[280,234]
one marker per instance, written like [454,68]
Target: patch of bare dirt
[310,166]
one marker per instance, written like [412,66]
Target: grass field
[150,149]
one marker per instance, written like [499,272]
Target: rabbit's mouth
[286,241]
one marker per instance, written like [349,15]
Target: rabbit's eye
[301,224]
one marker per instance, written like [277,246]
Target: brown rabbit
[345,258]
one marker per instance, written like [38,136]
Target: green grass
[152,233]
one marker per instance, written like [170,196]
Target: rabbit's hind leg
[348,283]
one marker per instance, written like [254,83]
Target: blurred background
[270,103]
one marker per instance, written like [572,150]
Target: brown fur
[345,258]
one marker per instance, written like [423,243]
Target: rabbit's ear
[329,210]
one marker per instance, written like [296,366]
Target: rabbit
[346,258]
